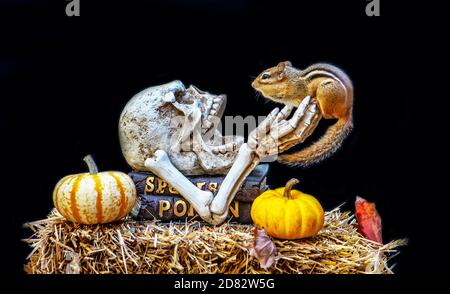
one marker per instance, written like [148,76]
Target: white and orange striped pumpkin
[95,198]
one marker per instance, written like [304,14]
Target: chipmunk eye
[265,76]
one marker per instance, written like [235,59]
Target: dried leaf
[263,248]
[369,221]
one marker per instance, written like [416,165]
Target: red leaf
[263,248]
[369,221]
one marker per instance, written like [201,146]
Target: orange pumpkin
[95,198]
[288,214]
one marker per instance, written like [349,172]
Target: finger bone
[284,113]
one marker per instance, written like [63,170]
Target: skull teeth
[206,124]
[222,149]
[212,110]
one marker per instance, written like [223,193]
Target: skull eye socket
[265,76]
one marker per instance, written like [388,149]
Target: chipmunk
[329,85]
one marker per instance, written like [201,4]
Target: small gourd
[95,197]
[288,214]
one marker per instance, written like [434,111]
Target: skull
[181,121]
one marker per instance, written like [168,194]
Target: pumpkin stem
[288,187]
[93,170]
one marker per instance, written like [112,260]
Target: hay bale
[59,246]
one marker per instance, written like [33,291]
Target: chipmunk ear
[282,65]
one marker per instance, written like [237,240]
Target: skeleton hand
[276,134]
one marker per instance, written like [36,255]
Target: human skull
[181,121]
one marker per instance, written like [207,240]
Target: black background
[64,82]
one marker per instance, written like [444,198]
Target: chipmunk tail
[328,144]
